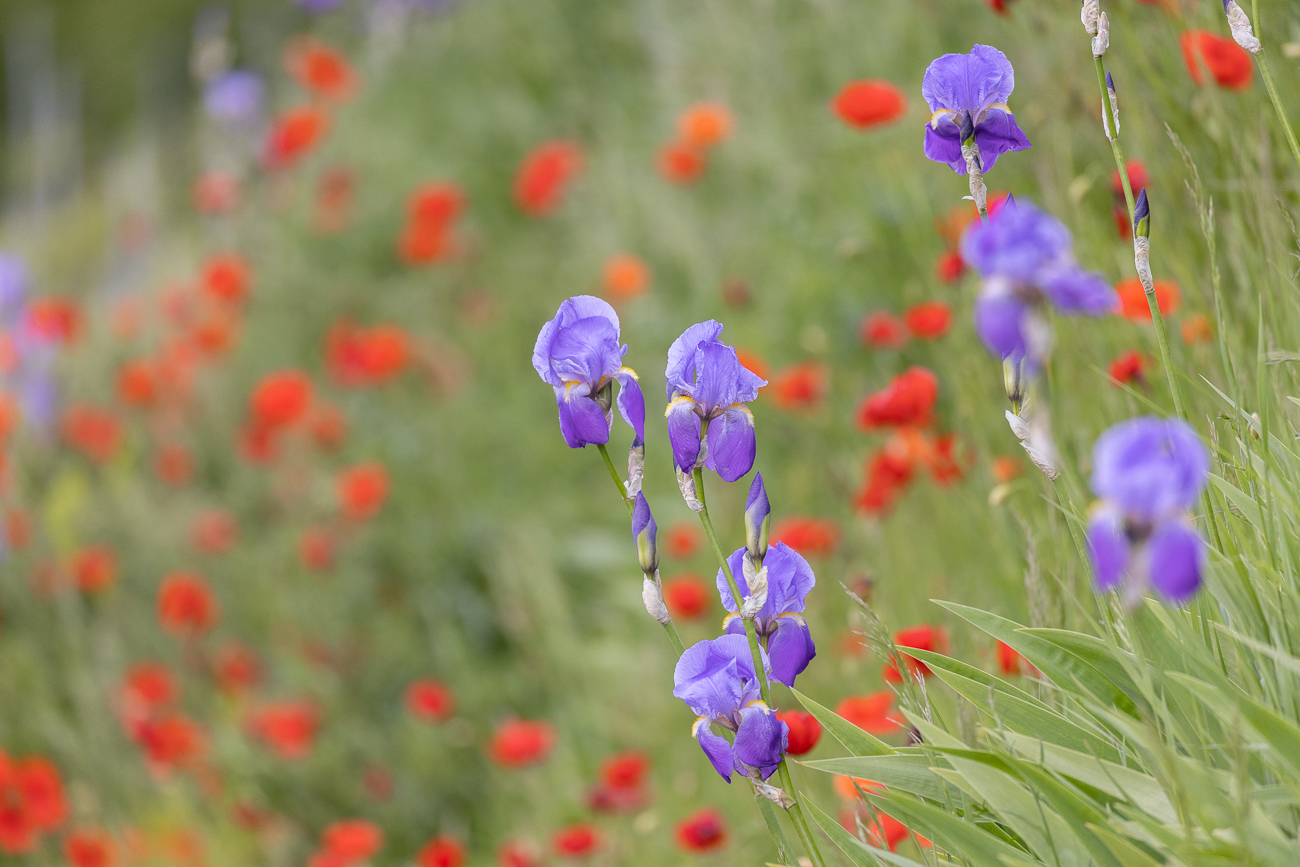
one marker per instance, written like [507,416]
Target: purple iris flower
[27,357]
[706,382]
[578,354]
[235,97]
[1026,260]
[779,622]
[975,86]
[1148,472]
[716,680]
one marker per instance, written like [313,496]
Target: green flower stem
[613,474]
[671,629]
[1268,85]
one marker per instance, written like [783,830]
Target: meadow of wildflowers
[943,358]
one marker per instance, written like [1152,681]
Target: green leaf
[858,852]
[1129,854]
[947,831]
[910,773]
[854,739]
[1245,504]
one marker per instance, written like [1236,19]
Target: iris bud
[644,531]
[758,515]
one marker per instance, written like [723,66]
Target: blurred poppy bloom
[320,69]
[704,125]
[625,770]
[544,175]
[1011,662]
[682,163]
[518,853]
[280,399]
[441,851]
[94,568]
[236,668]
[883,330]
[93,431]
[137,384]
[1128,368]
[929,320]
[887,832]
[54,318]
[186,607]
[172,464]
[800,387]
[1005,469]
[287,727]
[362,490]
[682,540]
[214,531]
[805,731]
[520,742]
[423,243]
[430,700]
[906,402]
[1137,180]
[815,537]
[17,529]
[1133,299]
[1197,329]
[90,847]
[922,637]
[225,278]
[294,134]
[889,472]
[949,266]
[866,104]
[352,841]
[687,596]
[752,362]
[576,841]
[148,686]
[316,549]
[365,356]
[870,712]
[171,741]
[216,193]
[625,276]
[31,802]
[847,787]
[1229,64]
[702,831]
[436,203]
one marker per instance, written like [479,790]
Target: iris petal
[684,433]
[732,444]
[715,747]
[761,739]
[1176,553]
[581,419]
[791,648]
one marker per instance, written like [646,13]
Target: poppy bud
[643,532]
[758,514]
[635,467]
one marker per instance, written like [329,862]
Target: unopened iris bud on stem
[1142,245]
[1111,113]
[758,514]
[1101,41]
[1013,379]
[635,467]
[644,531]
[1239,24]
[1142,216]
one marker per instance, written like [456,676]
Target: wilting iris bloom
[716,680]
[706,382]
[1026,260]
[235,97]
[780,623]
[578,354]
[1148,472]
[975,86]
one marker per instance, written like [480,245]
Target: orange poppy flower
[280,399]
[866,104]
[687,596]
[704,125]
[430,700]
[1228,63]
[1133,299]
[320,69]
[225,277]
[625,276]
[576,841]
[1129,367]
[870,712]
[800,387]
[924,636]
[362,490]
[929,320]
[805,731]
[441,851]
[813,537]
[94,568]
[1197,329]
[295,133]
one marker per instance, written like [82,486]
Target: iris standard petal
[683,433]
[943,145]
[1150,466]
[581,419]
[715,747]
[732,444]
[998,321]
[631,402]
[720,379]
[1073,290]
[761,738]
[1017,243]
[680,372]
[588,307]
[709,675]
[790,648]
[1108,547]
[789,580]
[998,134]
[1175,554]
[586,351]
[968,82]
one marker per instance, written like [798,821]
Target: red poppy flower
[288,727]
[93,431]
[576,841]
[520,742]
[137,385]
[922,637]
[847,787]
[688,596]
[1133,299]
[1006,468]
[1128,367]
[320,69]
[682,540]
[1009,659]
[172,741]
[214,531]
[929,320]
[881,330]
[236,668]
[625,276]
[906,402]
[625,770]
[362,490]
[352,840]
[752,362]
[334,189]
[294,134]
[799,388]
[702,831]
[280,399]
[54,318]
[31,802]
[173,465]
[518,853]
[423,243]
[436,203]
[148,686]
[889,472]
[90,847]
[1197,329]
[216,192]
[814,537]
[682,162]
[949,266]
[430,700]
[329,427]
[225,278]
[442,851]
[870,712]
[94,568]
[886,831]
[365,356]
[544,175]
[1138,178]
[704,125]
[186,607]
[805,731]
[1228,62]
[316,549]
[865,104]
